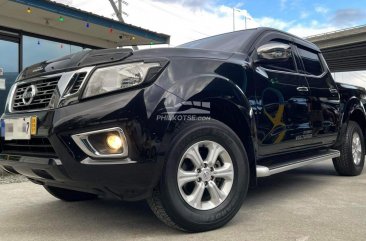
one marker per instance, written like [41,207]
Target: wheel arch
[227,103]
[237,118]
[354,111]
[243,125]
[358,116]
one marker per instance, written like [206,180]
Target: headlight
[119,77]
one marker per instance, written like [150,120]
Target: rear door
[324,99]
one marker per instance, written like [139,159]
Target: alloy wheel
[205,175]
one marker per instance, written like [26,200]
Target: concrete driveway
[311,203]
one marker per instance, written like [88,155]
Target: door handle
[333,91]
[303,89]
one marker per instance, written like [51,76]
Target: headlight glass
[118,77]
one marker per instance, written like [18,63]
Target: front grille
[35,147]
[45,89]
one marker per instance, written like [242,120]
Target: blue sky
[187,20]
[300,17]
[329,14]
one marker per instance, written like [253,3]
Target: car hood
[97,57]
[74,61]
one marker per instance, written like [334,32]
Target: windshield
[228,42]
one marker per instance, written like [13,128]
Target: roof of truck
[243,40]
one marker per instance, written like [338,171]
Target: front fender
[348,108]
[199,79]
[207,93]
[211,88]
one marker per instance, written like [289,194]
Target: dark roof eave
[67,11]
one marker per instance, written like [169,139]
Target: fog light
[114,142]
[106,143]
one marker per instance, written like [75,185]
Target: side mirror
[273,52]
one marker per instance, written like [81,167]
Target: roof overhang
[44,20]
[344,50]
[340,38]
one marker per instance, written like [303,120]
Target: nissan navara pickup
[189,129]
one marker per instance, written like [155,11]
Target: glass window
[311,62]
[287,65]
[37,50]
[9,67]
[75,49]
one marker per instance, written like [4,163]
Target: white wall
[357,78]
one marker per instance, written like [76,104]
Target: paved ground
[311,203]
[6,178]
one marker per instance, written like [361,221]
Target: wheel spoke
[214,151]
[217,196]
[225,172]
[356,148]
[186,177]
[194,155]
[195,199]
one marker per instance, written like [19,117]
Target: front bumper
[129,179]
[128,182]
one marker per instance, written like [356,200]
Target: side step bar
[263,171]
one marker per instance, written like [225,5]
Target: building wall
[357,78]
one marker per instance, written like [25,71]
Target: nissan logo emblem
[28,95]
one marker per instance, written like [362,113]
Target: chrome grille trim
[74,96]
[78,81]
[51,94]
[45,91]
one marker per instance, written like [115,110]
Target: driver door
[282,116]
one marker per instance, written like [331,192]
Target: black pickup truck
[190,128]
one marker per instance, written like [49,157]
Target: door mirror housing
[273,53]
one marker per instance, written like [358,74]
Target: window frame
[14,37]
[305,73]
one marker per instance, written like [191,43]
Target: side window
[276,56]
[312,63]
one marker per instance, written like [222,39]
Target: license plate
[19,128]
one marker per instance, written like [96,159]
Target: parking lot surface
[310,203]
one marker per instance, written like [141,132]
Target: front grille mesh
[43,97]
[34,147]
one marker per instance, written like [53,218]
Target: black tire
[167,202]
[345,164]
[69,195]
